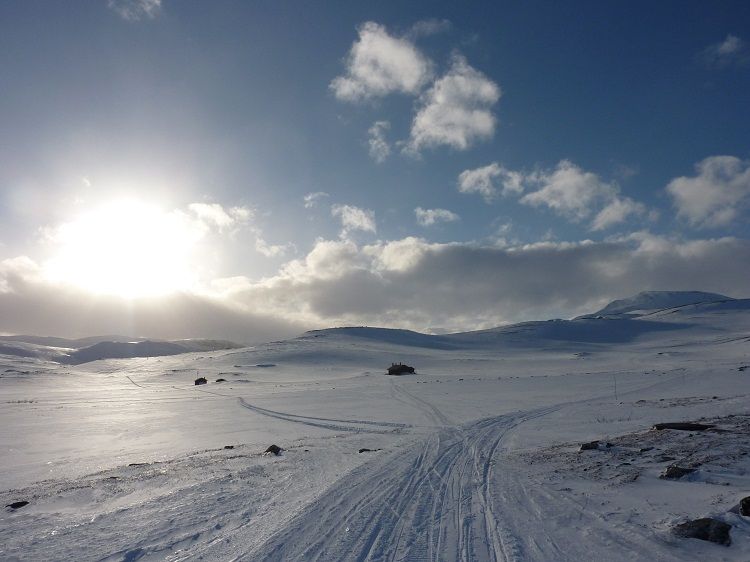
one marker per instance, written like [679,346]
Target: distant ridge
[658,300]
[83,350]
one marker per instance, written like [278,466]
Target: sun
[126,248]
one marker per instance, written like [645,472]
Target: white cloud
[428,217]
[135,10]
[730,50]
[716,195]
[311,199]
[566,189]
[486,180]
[270,250]
[569,190]
[379,64]
[616,212]
[215,215]
[379,147]
[456,111]
[354,218]
[576,194]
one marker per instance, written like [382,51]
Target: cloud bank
[408,283]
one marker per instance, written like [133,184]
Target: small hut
[400,369]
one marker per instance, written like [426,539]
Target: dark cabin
[400,369]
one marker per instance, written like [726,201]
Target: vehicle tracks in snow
[430,501]
[349,425]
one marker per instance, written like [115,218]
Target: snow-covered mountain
[626,322]
[649,301]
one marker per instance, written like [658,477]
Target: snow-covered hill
[475,457]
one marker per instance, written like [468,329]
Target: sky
[251,170]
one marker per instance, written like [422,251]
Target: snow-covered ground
[476,457]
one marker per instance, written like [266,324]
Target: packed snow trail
[428,502]
[439,499]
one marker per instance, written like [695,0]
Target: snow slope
[473,458]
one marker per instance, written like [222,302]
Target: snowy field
[475,457]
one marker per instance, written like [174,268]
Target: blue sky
[485,137]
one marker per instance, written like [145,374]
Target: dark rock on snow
[229,446]
[683,426]
[17,505]
[705,529]
[200,380]
[592,446]
[221,380]
[675,472]
[365,450]
[745,506]
[274,450]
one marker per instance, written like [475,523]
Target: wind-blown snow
[475,457]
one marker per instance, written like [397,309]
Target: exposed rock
[229,446]
[745,506]
[683,426]
[364,450]
[17,505]
[221,380]
[675,472]
[591,446]
[274,450]
[705,529]
[200,380]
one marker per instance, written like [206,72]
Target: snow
[475,457]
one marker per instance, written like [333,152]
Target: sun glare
[125,248]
